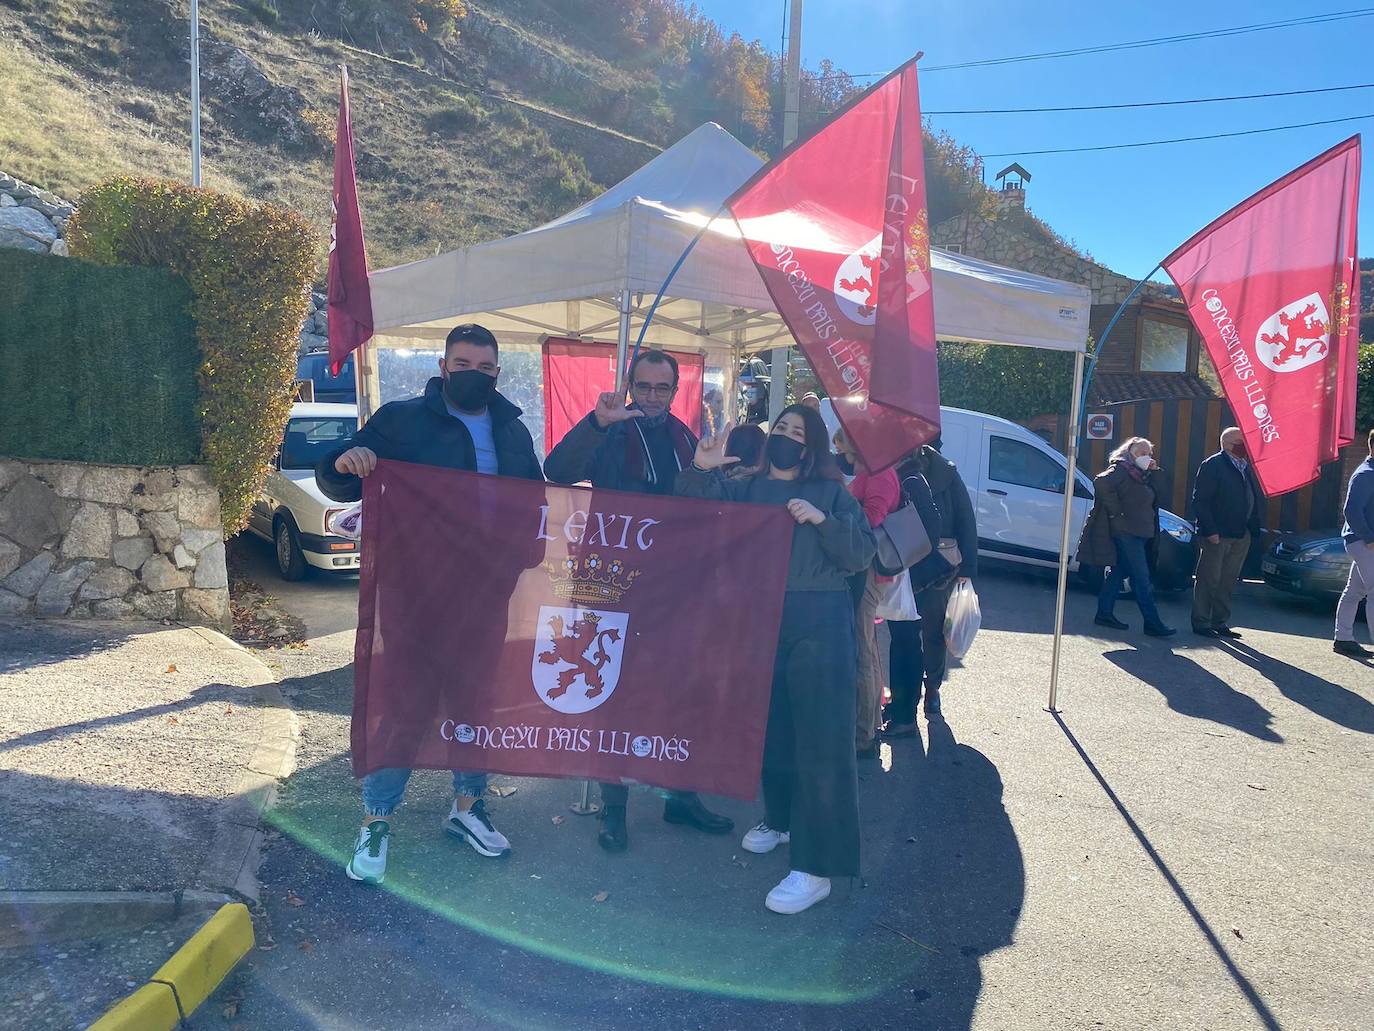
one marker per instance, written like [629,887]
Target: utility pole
[195,92]
[791,110]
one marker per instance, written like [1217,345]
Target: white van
[1016,481]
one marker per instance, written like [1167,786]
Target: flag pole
[649,317]
[1097,350]
[1070,481]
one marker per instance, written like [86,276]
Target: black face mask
[846,464]
[784,452]
[469,390]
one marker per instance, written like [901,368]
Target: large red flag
[837,226]
[521,627]
[578,372]
[350,298]
[1273,287]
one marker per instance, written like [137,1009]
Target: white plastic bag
[963,617]
[897,600]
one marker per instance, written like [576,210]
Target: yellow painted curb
[197,968]
[188,978]
[152,1008]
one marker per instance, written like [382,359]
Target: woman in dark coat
[810,776]
[1126,509]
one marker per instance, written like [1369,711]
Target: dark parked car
[340,389]
[1312,563]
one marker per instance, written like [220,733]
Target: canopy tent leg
[1070,481]
[622,341]
[366,381]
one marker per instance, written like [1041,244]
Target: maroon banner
[837,227]
[525,628]
[350,297]
[578,372]
[1274,290]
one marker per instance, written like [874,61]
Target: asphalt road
[1186,845]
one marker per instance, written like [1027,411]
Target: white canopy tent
[594,273]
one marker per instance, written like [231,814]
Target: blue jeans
[382,789]
[1131,561]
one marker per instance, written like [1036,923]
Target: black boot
[687,809]
[613,836]
[932,703]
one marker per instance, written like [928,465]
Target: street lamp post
[195,92]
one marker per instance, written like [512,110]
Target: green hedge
[99,364]
[1016,383]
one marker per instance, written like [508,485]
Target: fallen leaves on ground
[308,948]
[1236,932]
[502,790]
[557,820]
[601,896]
[231,1011]
[170,669]
[292,899]
[258,622]
[1257,787]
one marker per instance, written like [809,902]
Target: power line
[1181,139]
[1149,103]
[1239,30]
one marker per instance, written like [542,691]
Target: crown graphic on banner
[591,579]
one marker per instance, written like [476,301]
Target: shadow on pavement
[1252,996]
[28,644]
[1328,700]
[1192,691]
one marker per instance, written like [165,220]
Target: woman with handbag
[1126,503]
[879,495]
[958,542]
[906,657]
[810,776]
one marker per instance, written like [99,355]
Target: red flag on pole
[837,227]
[350,298]
[1273,287]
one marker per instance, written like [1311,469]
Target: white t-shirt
[483,439]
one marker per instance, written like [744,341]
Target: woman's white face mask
[1144,461]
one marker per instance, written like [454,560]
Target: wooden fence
[1184,432]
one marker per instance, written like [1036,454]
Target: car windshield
[308,440]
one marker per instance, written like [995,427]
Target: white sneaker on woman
[764,838]
[369,854]
[473,825]
[797,891]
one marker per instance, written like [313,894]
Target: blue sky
[1128,208]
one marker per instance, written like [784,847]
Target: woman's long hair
[749,444]
[1123,453]
[819,463]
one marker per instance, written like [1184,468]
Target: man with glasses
[639,447]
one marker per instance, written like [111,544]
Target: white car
[292,513]
[1016,481]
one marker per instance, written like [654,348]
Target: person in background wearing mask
[1359,545]
[1127,502]
[460,422]
[879,495]
[812,400]
[638,447]
[958,524]
[1226,501]
[810,775]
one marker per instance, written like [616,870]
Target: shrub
[1016,383]
[248,266]
[1364,392]
[107,358]
[459,117]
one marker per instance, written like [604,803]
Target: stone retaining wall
[111,542]
[32,219]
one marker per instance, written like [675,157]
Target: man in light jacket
[1226,501]
[1359,544]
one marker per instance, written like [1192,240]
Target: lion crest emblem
[577,655]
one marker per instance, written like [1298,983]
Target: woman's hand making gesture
[711,451]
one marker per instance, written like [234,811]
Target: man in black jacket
[1226,501]
[638,448]
[460,422]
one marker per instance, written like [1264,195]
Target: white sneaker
[764,838]
[796,892]
[473,825]
[369,855]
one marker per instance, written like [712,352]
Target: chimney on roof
[1012,187]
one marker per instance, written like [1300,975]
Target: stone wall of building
[111,542]
[1012,242]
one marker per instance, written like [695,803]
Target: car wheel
[290,559]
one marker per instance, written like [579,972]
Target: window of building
[1163,345]
[1011,461]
